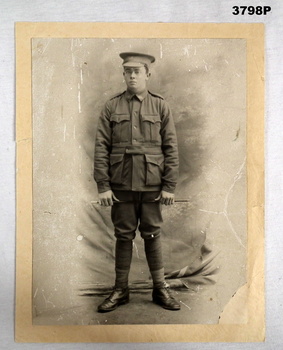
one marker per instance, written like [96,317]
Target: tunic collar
[141,96]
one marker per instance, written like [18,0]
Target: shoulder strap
[156,95]
[117,95]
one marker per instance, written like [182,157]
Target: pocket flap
[157,159]
[116,158]
[118,118]
[152,118]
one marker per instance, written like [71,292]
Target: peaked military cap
[135,59]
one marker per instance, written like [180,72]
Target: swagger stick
[117,202]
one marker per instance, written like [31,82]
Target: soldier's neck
[136,92]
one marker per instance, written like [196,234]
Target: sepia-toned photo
[140,183]
[124,130]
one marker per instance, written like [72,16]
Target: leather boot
[163,297]
[119,296]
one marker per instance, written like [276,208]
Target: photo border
[254,330]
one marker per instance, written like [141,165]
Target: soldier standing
[136,170]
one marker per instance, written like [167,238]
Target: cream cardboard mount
[242,319]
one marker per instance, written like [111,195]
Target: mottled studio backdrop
[73,247]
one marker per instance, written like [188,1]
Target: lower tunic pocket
[154,169]
[116,168]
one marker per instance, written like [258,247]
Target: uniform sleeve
[102,150]
[170,150]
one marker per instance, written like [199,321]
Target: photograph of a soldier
[122,130]
[136,170]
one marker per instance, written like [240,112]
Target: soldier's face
[136,78]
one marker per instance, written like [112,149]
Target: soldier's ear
[148,74]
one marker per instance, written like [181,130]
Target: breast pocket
[120,127]
[154,169]
[151,127]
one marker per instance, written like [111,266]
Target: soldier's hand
[166,198]
[106,198]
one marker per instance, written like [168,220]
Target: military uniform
[136,157]
[136,146]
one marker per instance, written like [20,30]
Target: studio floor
[199,306]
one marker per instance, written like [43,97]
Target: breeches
[136,210]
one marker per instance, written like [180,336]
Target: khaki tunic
[136,145]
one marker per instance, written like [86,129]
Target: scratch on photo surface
[45,47]
[64,133]
[237,177]
[80,163]
[186,51]
[224,212]
[63,212]
[161,52]
[82,80]
[211,212]
[47,301]
[219,167]
[79,99]
[205,65]
[185,304]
